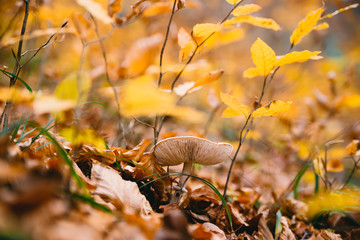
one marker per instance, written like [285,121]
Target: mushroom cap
[176,150]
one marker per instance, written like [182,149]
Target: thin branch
[356,162]
[4,115]
[198,45]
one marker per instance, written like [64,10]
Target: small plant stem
[198,45]
[356,162]
[161,74]
[210,120]
[242,138]
[16,70]
[118,113]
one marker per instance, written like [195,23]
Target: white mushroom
[188,150]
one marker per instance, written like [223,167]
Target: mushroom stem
[182,182]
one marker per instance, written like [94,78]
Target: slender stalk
[198,45]
[356,162]
[16,72]
[161,74]
[242,138]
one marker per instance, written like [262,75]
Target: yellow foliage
[206,29]
[256,21]
[272,109]
[263,57]
[114,6]
[351,101]
[69,89]
[85,136]
[96,10]
[321,26]
[50,104]
[157,8]
[209,78]
[351,148]
[294,57]
[334,201]
[15,95]
[186,43]
[233,2]
[246,9]
[306,26]
[236,108]
[251,72]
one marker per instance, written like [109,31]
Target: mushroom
[188,150]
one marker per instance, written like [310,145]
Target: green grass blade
[16,128]
[23,130]
[316,189]
[91,202]
[278,226]
[298,178]
[65,156]
[22,81]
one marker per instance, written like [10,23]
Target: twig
[356,162]
[266,84]
[327,145]
[198,45]
[156,136]
[16,72]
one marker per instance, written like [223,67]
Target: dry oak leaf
[263,57]
[306,26]
[286,233]
[272,109]
[122,194]
[235,107]
[206,29]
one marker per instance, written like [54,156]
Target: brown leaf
[120,193]
[286,233]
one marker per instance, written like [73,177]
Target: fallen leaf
[122,194]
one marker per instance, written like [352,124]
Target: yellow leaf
[114,6]
[251,72]
[272,109]
[306,26]
[157,8]
[330,15]
[15,95]
[186,43]
[233,2]
[187,114]
[139,97]
[142,54]
[209,78]
[246,9]
[257,21]
[352,147]
[68,89]
[294,57]
[51,104]
[96,10]
[321,26]
[351,101]
[237,108]
[85,136]
[205,29]
[263,57]
[334,165]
